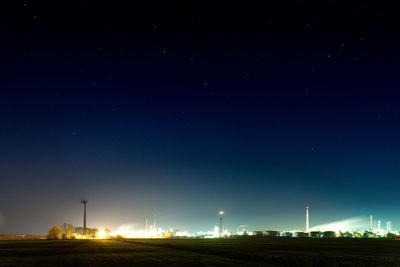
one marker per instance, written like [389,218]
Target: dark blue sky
[183,110]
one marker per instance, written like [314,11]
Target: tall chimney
[221,226]
[388,227]
[307,219]
[371,223]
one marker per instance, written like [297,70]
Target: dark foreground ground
[150,252]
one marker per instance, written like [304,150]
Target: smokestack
[388,227]
[84,202]
[221,226]
[307,220]
[371,223]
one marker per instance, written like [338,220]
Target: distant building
[258,233]
[300,234]
[271,233]
[316,234]
[329,234]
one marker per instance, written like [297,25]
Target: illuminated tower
[379,225]
[221,227]
[84,202]
[307,219]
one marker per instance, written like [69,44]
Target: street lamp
[221,228]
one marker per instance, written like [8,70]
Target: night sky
[182,110]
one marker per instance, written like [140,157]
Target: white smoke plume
[349,224]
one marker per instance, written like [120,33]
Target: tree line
[67,231]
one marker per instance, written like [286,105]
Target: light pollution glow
[358,224]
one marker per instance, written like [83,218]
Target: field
[187,252]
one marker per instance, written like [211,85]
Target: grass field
[203,252]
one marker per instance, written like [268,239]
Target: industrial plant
[348,228]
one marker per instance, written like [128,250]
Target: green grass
[201,252]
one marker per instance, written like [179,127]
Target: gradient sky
[183,110]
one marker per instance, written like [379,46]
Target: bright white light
[129,231]
[101,234]
[221,212]
[183,234]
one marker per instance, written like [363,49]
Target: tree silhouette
[55,232]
